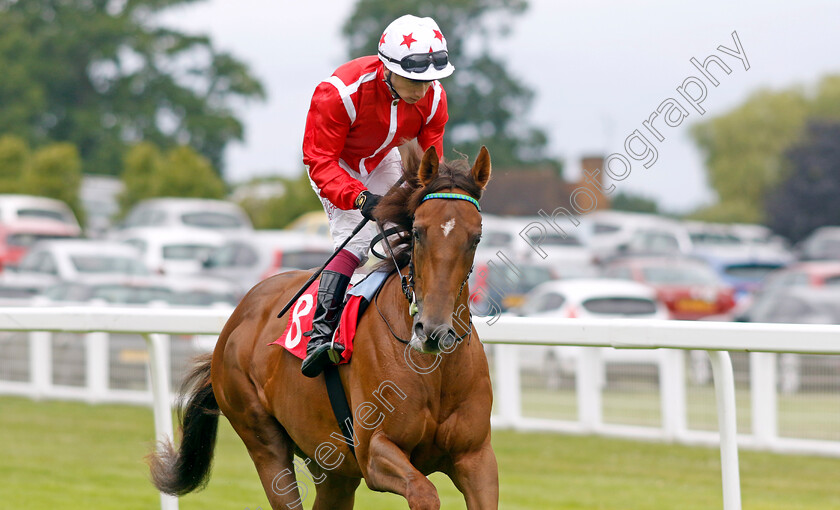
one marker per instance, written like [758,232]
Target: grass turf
[75,456]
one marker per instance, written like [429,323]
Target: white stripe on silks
[435,101]
[346,91]
[392,130]
[345,98]
[315,187]
[347,168]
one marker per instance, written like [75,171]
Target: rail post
[159,377]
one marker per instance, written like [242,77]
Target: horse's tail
[183,471]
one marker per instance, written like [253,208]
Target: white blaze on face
[448,226]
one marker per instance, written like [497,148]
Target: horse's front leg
[388,469]
[476,475]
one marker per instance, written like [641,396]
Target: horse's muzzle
[441,338]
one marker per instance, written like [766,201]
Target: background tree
[181,172]
[55,171]
[140,169]
[14,156]
[810,195]
[101,75]
[727,212]
[185,173]
[487,105]
[633,203]
[744,149]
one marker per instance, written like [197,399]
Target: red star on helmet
[382,39]
[438,35]
[408,39]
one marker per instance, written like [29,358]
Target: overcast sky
[599,69]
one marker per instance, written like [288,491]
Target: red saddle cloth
[300,320]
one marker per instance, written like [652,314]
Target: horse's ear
[428,167]
[481,168]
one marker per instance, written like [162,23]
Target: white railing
[715,338]
[154,324]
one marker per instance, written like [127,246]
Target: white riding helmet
[415,48]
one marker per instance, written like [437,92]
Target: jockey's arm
[327,126]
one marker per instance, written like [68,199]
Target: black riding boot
[321,350]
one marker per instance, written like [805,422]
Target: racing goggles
[419,62]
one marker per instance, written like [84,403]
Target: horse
[419,406]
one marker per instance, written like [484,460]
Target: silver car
[249,258]
[54,261]
[219,215]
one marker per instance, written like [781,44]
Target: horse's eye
[416,234]
[476,241]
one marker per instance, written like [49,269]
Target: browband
[455,196]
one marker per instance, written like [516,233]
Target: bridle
[407,280]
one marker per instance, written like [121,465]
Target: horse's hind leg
[389,470]
[476,475]
[272,451]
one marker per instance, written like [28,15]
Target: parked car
[746,275]
[53,261]
[534,237]
[795,305]
[717,241]
[197,291]
[250,258]
[798,305]
[17,236]
[711,237]
[98,197]
[496,286]
[314,222]
[593,298]
[614,233]
[173,250]
[497,234]
[588,298]
[16,292]
[808,274]
[110,289]
[25,219]
[822,244]
[752,233]
[14,208]
[219,215]
[689,287]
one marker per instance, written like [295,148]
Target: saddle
[356,302]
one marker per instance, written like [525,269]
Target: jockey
[357,118]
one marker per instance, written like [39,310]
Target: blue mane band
[455,196]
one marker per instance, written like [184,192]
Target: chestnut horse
[413,413]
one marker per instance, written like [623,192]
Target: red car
[689,288]
[17,236]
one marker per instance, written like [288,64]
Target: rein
[407,281]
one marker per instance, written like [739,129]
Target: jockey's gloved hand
[366,202]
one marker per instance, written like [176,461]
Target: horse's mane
[402,200]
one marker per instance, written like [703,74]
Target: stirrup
[325,354]
[335,351]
